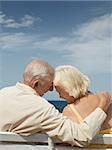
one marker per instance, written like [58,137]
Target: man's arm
[108,121]
[56,125]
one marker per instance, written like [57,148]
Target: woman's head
[70,79]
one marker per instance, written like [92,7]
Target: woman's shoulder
[103,94]
[66,109]
[100,94]
[69,113]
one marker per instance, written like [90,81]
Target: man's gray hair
[37,69]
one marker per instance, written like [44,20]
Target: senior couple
[24,111]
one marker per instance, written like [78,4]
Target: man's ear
[35,84]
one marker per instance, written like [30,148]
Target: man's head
[39,75]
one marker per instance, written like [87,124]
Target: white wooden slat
[8,136]
[43,142]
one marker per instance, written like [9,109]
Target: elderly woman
[72,85]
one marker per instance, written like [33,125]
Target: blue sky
[68,32]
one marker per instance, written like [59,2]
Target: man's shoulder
[7,89]
[36,99]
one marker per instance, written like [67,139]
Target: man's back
[18,107]
[7,100]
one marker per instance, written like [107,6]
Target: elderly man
[24,111]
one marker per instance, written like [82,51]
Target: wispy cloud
[91,45]
[97,28]
[25,21]
[88,47]
[102,9]
[52,43]
[14,42]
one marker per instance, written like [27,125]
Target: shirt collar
[25,88]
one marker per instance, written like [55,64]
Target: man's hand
[104,100]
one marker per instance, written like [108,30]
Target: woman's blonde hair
[72,80]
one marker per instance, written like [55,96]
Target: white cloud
[25,21]
[52,43]
[88,47]
[91,45]
[14,42]
[98,28]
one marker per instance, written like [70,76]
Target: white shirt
[24,112]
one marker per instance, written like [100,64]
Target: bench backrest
[43,139]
